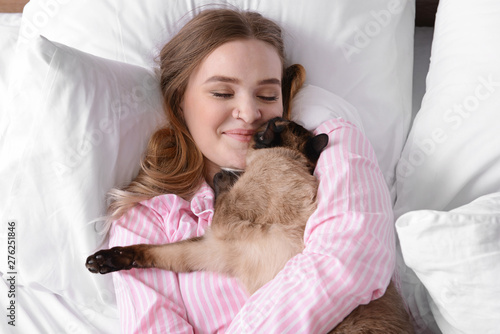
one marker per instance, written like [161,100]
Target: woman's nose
[247,110]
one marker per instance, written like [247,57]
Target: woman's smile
[241,135]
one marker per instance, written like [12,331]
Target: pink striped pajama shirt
[348,259]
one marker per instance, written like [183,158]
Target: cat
[258,225]
[259,218]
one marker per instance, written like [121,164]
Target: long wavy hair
[172,162]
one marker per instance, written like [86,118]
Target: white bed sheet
[37,311]
[9,30]
[45,312]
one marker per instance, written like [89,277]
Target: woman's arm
[349,251]
[149,301]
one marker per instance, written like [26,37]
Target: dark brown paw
[109,260]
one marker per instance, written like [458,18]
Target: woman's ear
[293,79]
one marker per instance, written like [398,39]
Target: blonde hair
[172,162]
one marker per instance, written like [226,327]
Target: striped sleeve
[149,301]
[349,254]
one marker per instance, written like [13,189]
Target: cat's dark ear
[268,137]
[315,146]
[319,142]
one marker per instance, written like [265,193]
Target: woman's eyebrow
[221,78]
[272,81]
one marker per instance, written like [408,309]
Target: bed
[79,98]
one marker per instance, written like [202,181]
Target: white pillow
[359,50]
[77,125]
[456,255]
[452,155]
[314,105]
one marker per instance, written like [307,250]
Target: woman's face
[236,89]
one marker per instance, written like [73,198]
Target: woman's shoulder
[164,215]
[334,124]
[152,210]
[144,222]
[165,203]
[162,204]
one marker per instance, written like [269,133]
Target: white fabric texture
[313,106]
[456,255]
[9,30]
[78,126]
[451,158]
[452,155]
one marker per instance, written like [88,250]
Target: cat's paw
[109,260]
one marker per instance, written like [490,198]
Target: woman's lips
[240,134]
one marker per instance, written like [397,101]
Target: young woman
[222,76]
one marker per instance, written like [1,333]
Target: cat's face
[279,132]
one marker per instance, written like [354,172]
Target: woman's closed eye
[222,95]
[265,98]
[268,94]
[268,98]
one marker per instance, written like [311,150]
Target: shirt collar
[202,203]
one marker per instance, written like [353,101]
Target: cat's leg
[184,256]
